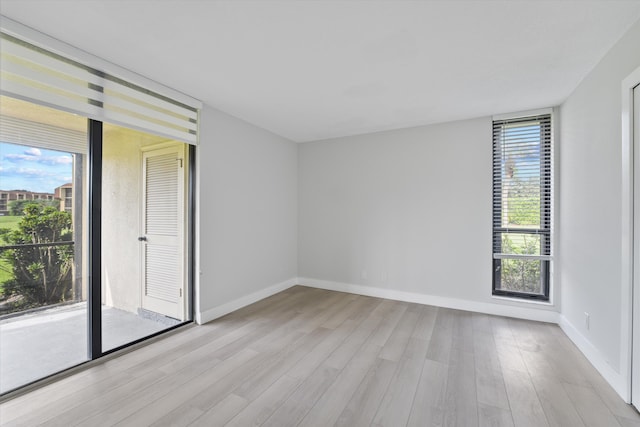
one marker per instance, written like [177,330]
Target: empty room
[320,213]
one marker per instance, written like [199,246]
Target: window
[68,197]
[522,207]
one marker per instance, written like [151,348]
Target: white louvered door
[163,231]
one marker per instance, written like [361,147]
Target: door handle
[142,239]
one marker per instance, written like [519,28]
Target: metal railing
[36,245]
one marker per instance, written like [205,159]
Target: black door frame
[94,297]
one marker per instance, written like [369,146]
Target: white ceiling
[310,70]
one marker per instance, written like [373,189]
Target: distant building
[7,196]
[65,194]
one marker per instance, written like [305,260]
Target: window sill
[523,300]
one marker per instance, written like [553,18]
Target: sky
[33,169]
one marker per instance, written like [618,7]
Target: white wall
[121,215]
[121,188]
[406,211]
[589,250]
[248,213]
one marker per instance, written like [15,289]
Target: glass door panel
[43,242]
[143,235]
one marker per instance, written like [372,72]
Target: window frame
[545,230]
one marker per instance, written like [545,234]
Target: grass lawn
[9,221]
[5,268]
[5,273]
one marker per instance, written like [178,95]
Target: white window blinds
[522,176]
[35,74]
[40,135]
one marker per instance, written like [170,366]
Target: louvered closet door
[163,232]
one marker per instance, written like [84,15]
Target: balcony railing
[35,245]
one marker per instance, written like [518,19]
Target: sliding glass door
[94,243]
[43,242]
[95,206]
[144,220]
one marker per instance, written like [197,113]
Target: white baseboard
[221,310]
[617,381]
[517,311]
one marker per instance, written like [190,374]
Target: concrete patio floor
[42,343]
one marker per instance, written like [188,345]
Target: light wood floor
[311,357]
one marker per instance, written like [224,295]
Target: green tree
[521,275]
[16,207]
[41,274]
[524,202]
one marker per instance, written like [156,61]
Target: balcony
[36,344]
[43,323]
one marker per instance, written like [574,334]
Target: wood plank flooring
[309,357]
